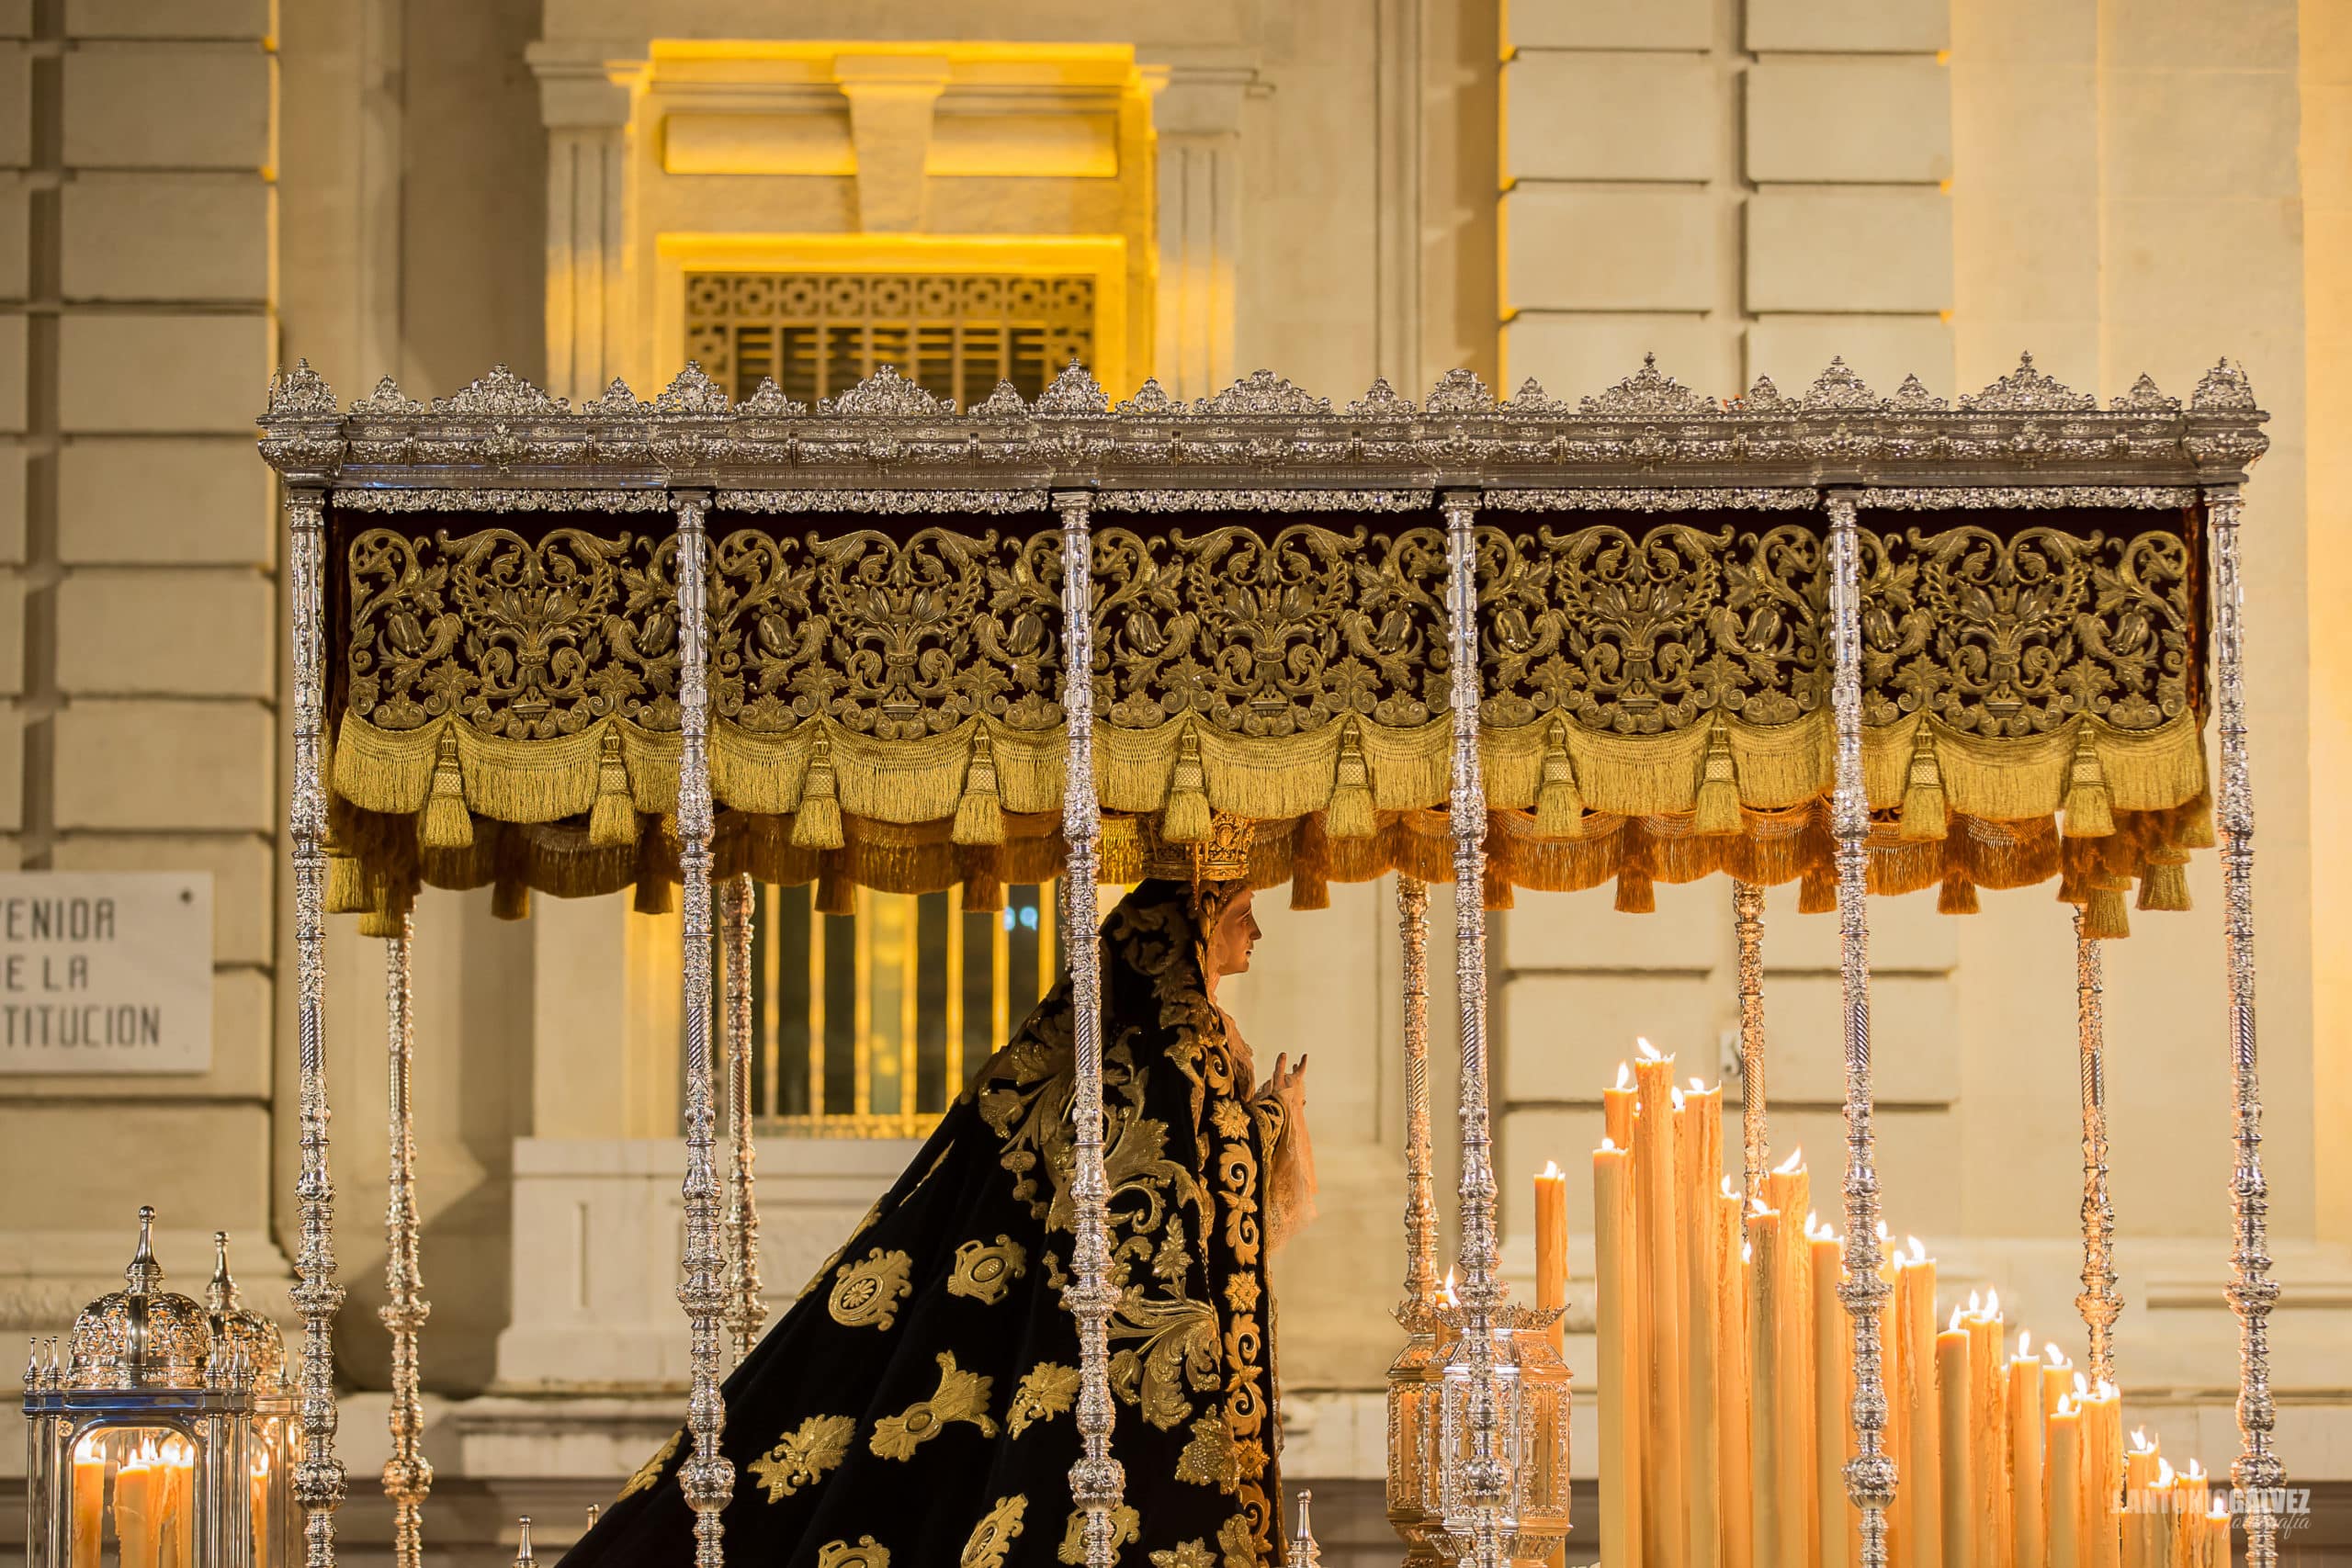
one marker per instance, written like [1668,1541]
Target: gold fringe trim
[1956,895]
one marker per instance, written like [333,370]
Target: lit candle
[2057,1379]
[2062,1472]
[1786,1191]
[2190,1493]
[1699,1154]
[89,1501]
[2152,1517]
[1616,1331]
[1961,1492]
[1918,1493]
[2216,1535]
[2102,1410]
[178,1533]
[1447,1333]
[135,1519]
[1778,1527]
[1665,1512]
[1617,1108]
[1989,1438]
[1833,1387]
[1552,1245]
[257,1489]
[2029,1535]
[2141,1464]
[1730,1319]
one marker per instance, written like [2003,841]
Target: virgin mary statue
[914,1408]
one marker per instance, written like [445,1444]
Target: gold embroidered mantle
[1270,631]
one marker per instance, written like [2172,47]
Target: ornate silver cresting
[320,1484]
[2258,1473]
[1869,1474]
[1416,1508]
[408,1476]
[1481,1486]
[1747,921]
[747,1307]
[2099,1304]
[1096,1481]
[708,1477]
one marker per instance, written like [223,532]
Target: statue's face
[1231,938]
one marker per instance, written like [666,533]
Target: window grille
[868,1024]
[821,333]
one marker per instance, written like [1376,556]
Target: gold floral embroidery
[1229,1119]
[991,1539]
[1208,1460]
[866,1553]
[1241,1292]
[985,1273]
[1178,1351]
[1184,1554]
[1044,1391]
[801,1457]
[651,1470]
[961,1396]
[867,1294]
[1239,1541]
[1125,1526]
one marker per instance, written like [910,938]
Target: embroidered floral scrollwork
[802,1456]
[1045,1390]
[961,1396]
[866,1294]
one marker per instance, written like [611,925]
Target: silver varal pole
[707,1478]
[1748,921]
[1869,1474]
[1420,1203]
[2258,1473]
[1484,1481]
[320,1484]
[2099,1304]
[746,1303]
[408,1476]
[1096,1481]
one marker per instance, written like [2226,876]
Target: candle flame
[1608,1145]
[1551,1169]
[88,1451]
[1758,1206]
[1918,1249]
[1812,1221]
[2139,1444]
[1790,1166]
[1451,1300]
[1698,1085]
[1676,1096]
[2196,1471]
[1992,1301]
[1727,1189]
[1746,1252]
[2105,1389]
[1953,1326]
[1881,1229]
[2067,1406]
[2163,1470]
[2057,1357]
[2082,1388]
[1649,1052]
[2221,1509]
[261,1463]
[1624,1075]
[2025,1344]
[1975,1306]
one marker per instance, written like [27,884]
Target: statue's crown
[1221,855]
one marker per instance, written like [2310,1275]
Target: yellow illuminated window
[957,334]
[867,1024]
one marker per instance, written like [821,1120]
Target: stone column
[586,102]
[1197,111]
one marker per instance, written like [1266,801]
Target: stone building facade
[194,190]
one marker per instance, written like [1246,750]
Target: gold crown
[1221,855]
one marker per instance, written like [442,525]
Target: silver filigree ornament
[2028,390]
[1838,390]
[1074,394]
[1648,394]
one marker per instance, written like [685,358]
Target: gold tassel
[2163,882]
[652,897]
[612,821]
[2197,828]
[1185,820]
[1924,815]
[446,825]
[817,824]
[1636,893]
[385,923]
[510,899]
[2088,815]
[1351,814]
[836,894]
[979,814]
[1559,805]
[1956,897]
[1718,804]
[2071,886]
[2104,915]
[1817,890]
[346,887]
[1310,866]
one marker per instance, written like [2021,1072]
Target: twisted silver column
[747,1307]
[2258,1473]
[1096,1481]
[1747,920]
[408,1476]
[1420,1202]
[2099,1304]
[320,1484]
[1869,1474]
[708,1477]
[1485,1479]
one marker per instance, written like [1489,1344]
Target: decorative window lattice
[821,333]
